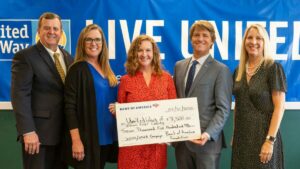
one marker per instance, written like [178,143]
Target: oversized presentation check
[158,121]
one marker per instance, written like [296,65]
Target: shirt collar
[200,60]
[50,51]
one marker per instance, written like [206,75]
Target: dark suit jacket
[37,94]
[212,86]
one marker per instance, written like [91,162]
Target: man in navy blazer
[37,90]
[211,83]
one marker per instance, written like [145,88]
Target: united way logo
[17,34]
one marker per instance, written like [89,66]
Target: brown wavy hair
[203,25]
[103,59]
[132,64]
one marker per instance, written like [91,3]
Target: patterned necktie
[190,78]
[59,67]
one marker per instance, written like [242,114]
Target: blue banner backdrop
[167,21]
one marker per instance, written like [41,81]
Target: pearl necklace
[256,68]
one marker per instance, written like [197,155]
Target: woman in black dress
[259,91]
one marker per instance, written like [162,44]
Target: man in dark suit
[210,81]
[37,91]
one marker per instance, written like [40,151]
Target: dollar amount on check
[158,121]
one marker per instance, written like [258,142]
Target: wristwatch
[271,138]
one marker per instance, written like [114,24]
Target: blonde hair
[103,56]
[267,53]
[132,64]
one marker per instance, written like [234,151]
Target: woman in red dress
[145,81]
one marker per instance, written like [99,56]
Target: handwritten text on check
[158,121]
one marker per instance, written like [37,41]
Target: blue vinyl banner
[167,21]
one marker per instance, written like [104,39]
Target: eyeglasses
[96,40]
